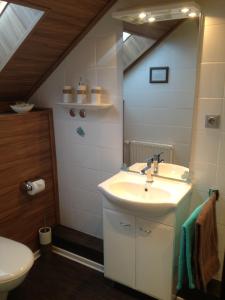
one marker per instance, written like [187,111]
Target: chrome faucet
[147,170]
[156,160]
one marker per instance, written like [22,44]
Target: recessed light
[151,19]
[142,15]
[185,10]
[192,14]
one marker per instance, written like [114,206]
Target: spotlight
[185,10]
[142,15]
[192,14]
[151,19]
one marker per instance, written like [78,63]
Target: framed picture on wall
[159,75]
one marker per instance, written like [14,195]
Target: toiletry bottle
[81,93]
[68,94]
[96,93]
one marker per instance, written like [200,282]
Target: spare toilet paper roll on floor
[37,187]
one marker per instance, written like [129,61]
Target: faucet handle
[157,158]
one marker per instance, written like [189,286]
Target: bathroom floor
[57,278]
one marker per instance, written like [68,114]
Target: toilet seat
[15,259]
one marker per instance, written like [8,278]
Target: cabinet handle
[148,231]
[125,224]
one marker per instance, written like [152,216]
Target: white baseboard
[79,259]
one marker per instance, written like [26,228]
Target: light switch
[212,121]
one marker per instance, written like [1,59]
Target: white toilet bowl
[16,260]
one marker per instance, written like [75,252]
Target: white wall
[208,153]
[85,162]
[163,112]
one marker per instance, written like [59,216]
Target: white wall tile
[207,146]
[212,80]
[83,162]
[208,107]
[204,175]
[106,51]
[214,43]
[110,80]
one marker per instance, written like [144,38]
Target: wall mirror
[16,22]
[160,54]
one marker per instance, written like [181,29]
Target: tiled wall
[208,153]
[162,113]
[83,162]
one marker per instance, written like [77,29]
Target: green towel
[186,246]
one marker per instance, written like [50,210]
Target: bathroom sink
[131,191]
[166,170]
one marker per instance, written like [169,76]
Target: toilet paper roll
[45,235]
[37,187]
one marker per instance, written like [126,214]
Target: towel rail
[216,192]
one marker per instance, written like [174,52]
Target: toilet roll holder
[27,187]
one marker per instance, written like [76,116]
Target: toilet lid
[15,259]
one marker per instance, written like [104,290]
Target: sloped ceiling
[64,24]
[155,33]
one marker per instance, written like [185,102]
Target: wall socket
[212,121]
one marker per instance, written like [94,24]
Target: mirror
[16,22]
[160,67]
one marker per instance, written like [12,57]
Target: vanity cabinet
[153,258]
[139,253]
[141,230]
[119,247]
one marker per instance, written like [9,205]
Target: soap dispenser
[81,93]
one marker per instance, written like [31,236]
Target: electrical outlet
[212,121]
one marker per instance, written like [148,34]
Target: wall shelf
[86,106]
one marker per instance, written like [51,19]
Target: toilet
[16,260]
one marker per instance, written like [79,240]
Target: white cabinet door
[154,259]
[119,247]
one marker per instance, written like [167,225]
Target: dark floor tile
[78,242]
[58,278]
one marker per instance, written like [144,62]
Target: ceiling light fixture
[171,11]
[185,10]
[2,6]
[142,15]
[151,19]
[192,15]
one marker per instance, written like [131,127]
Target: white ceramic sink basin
[130,191]
[136,192]
[167,170]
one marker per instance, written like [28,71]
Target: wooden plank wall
[27,152]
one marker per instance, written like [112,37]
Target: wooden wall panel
[26,153]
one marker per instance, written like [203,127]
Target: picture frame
[159,75]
